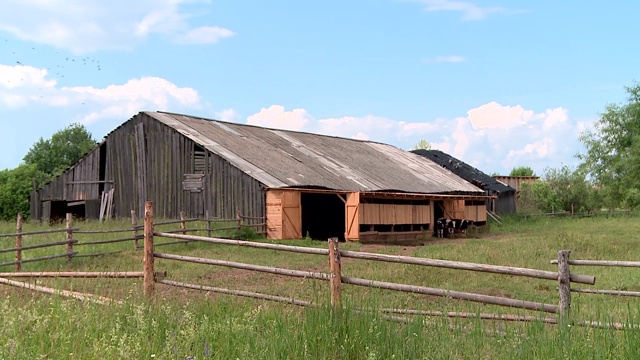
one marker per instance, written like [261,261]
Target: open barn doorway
[323,216]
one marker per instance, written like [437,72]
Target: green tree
[422,145]
[64,149]
[522,171]
[15,188]
[612,158]
[571,188]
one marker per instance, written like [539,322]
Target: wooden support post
[69,237]
[183,222]
[239,219]
[208,223]
[19,243]
[134,226]
[572,209]
[149,275]
[564,285]
[336,276]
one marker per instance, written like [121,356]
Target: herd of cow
[447,227]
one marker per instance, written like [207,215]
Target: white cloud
[205,35]
[494,115]
[227,115]
[276,117]
[24,85]
[469,10]
[444,59]
[92,25]
[492,137]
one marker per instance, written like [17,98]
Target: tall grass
[181,324]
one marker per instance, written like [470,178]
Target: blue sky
[497,84]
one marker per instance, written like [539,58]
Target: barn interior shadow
[323,216]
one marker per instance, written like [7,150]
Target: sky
[497,84]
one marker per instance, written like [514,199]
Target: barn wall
[151,161]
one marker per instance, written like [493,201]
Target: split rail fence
[336,278]
[71,243]
[610,263]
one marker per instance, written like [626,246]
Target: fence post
[69,237]
[564,285]
[336,276]
[239,219]
[208,223]
[134,225]
[19,243]
[183,222]
[149,276]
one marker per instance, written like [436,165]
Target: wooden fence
[336,278]
[614,263]
[72,243]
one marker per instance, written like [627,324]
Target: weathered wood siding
[168,157]
[64,187]
[147,160]
[391,214]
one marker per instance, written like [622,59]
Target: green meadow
[188,324]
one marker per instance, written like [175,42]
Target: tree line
[45,160]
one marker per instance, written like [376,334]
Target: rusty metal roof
[282,159]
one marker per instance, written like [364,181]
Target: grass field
[181,324]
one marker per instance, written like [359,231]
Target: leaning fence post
[69,237]
[149,276]
[564,285]
[183,222]
[19,243]
[134,226]
[208,223]
[336,276]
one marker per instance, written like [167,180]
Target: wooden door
[454,209]
[291,215]
[352,224]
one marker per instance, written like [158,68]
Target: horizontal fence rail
[497,269]
[39,232]
[602,263]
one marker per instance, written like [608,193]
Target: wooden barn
[503,197]
[302,183]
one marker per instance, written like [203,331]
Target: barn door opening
[438,209]
[323,216]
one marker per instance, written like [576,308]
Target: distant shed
[504,196]
[301,183]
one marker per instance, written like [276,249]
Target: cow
[444,225]
[449,227]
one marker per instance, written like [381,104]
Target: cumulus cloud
[469,10]
[92,25]
[492,137]
[275,116]
[444,59]
[227,115]
[25,85]
[205,35]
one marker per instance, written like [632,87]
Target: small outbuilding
[301,183]
[503,197]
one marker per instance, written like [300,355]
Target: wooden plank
[274,214]
[459,295]
[602,263]
[352,231]
[291,215]
[387,216]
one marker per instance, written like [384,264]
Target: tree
[64,149]
[522,171]
[15,187]
[422,145]
[612,158]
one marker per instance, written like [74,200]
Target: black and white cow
[449,227]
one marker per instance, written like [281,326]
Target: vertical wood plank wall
[147,161]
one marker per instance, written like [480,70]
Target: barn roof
[465,171]
[289,159]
